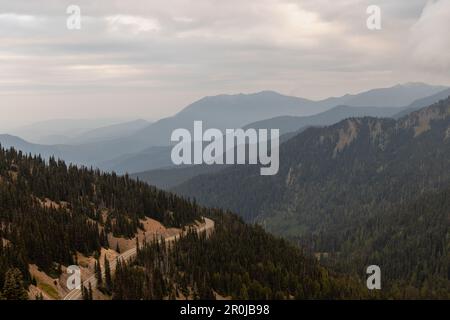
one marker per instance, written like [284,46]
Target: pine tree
[90,295]
[98,273]
[84,293]
[108,280]
[13,288]
[244,293]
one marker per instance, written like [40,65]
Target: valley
[353,183]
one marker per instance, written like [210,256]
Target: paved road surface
[127,255]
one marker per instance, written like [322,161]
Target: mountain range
[289,126]
[139,146]
[59,131]
[236,111]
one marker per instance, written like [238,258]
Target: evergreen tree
[84,293]
[244,293]
[13,288]
[108,279]
[98,273]
[90,294]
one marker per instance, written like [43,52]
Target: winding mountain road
[127,255]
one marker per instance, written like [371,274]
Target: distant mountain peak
[262,93]
[413,84]
[268,92]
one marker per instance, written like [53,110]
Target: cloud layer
[430,40]
[150,58]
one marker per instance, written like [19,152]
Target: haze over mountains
[423,102]
[397,96]
[235,111]
[289,126]
[139,146]
[77,131]
[58,130]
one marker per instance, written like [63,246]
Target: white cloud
[14,20]
[17,18]
[133,24]
[430,40]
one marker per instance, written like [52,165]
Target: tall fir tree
[108,279]
[90,295]
[98,273]
[13,289]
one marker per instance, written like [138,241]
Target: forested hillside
[236,261]
[48,212]
[411,242]
[359,161]
[335,181]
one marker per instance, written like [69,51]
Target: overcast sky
[149,59]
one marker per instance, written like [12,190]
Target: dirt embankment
[56,288]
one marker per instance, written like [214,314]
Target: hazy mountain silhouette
[396,96]
[8,141]
[288,125]
[235,111]
[223,111]
[423,102]
[58,131]
[110,132]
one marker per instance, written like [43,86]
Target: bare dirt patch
[346,136]
[152,228]
[49,288]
